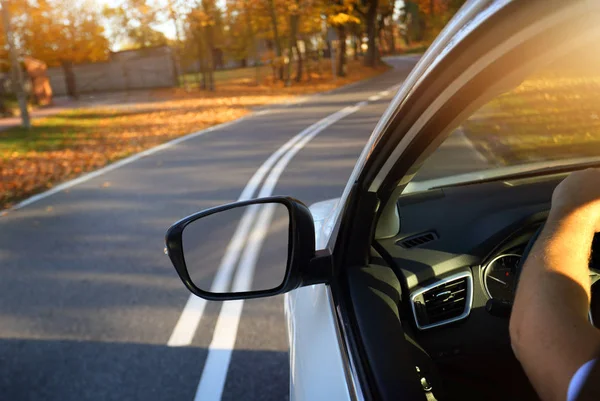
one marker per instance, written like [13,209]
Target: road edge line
[137,156]
[191,315]
[220,350]
[120,163]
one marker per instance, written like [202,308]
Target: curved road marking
[221,348]
[191,315]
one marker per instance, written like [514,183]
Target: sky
[168,28]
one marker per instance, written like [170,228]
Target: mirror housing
[304,265]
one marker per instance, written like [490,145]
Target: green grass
[247,73]
[54,133]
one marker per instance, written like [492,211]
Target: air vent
[443,302]
[417,240]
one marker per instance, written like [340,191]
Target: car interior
[459,251]
[432,307]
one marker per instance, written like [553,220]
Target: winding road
[91,308]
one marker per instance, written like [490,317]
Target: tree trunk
[201,54]
[252,37]
[288,66]
[392,38]
[381,36]
[204,85]
[210,64]
[293,44]
[200,57]
[70,78]
[298,64]
[307,55]
[371,56]
[274,24]
[341,64]
[197,78]
[290,49]
[319,59]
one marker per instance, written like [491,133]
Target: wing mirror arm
[319,269]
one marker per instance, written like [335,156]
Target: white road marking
[86,177]
[460,134]
[221,348]
[186,326]
[191,315]
[383,94]
[121,163]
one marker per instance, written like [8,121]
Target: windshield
[552,116]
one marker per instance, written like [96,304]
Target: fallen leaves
[547,117]
[71,143]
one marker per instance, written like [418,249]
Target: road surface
[90,305]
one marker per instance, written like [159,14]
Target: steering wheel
[594,272]
[526,252]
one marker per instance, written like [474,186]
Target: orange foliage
[439,7]
[66,145]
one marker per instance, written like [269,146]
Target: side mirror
[256,248]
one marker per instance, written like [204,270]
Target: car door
[485,50]
[491,53]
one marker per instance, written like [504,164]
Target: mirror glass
[239,249]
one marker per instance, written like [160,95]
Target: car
[401,289]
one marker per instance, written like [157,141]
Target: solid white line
[221,348]
[191,315]
[121,163]
[113,166]
[460,134]
[217,362]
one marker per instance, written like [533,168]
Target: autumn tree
[241,22]
[60,32]
[433,14]
[205,27]
[413,21]
[132,24]
[305,20]
[370,17]
[283,29]
[341,15]
[294,12]
[385,24]
[272,7]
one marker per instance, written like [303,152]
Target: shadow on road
[61,370]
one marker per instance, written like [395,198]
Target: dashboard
[477,232]
[474,232]
[458,249]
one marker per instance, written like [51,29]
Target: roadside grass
[220,76]
[73,142]
[553,115]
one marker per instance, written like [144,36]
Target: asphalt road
[88,300]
